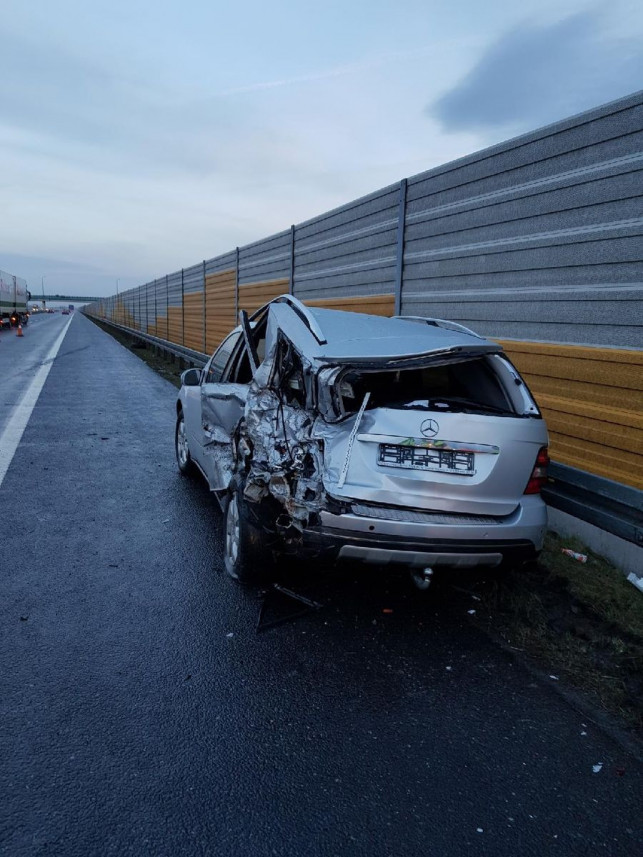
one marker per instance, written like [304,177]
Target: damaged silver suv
[347,436]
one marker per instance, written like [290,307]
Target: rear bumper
[432,541]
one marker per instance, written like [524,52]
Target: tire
[246,556]
[183,457]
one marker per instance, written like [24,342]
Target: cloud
[62,275]
[538,74]
[73,108]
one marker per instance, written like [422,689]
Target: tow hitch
[422,578]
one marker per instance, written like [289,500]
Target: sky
[138,137]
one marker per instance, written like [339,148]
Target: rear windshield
[468,386]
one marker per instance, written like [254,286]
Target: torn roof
[351,336]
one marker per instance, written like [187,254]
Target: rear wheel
[183,457]
[247,558]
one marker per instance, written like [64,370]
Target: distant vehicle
[13,300]
[71,307]
[65,312]
[323,433]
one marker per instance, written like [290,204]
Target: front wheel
[246,556]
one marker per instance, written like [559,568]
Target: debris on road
[635,580]
[580,557]
[597,767]
[271,603]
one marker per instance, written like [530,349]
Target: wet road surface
[142,714]
[21,357]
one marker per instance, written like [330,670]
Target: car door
[192,405]
[223,399]
[223,395]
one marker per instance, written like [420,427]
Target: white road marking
[14,429]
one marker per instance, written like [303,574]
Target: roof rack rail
[441,322]
[305,315]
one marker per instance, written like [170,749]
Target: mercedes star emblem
[429,428]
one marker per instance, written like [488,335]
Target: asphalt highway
[20,358]
[141,713]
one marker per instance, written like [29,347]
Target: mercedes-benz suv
[387,440]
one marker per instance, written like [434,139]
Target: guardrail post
[167,306]
[291,276]
[399,263]
[156,315]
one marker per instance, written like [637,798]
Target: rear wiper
[464,404]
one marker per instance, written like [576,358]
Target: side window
[241,371]
[220,359]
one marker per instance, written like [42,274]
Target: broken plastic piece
[635,580]
[597,767]
[580,557]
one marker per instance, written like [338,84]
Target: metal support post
[182,309]
[236,286]
[399,264]
[205,317]
[291,277]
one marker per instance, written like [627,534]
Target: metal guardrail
[191,357]
[608,505]
[611,506]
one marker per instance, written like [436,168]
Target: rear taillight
[539,473]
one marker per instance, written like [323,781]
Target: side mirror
[191,378]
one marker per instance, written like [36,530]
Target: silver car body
[334,427]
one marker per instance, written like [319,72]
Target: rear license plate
[419,458]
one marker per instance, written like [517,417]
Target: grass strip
[166,367]
[581,622]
